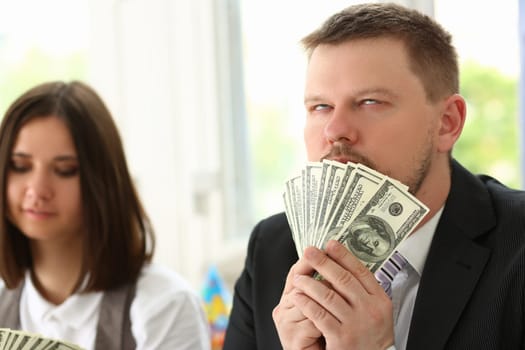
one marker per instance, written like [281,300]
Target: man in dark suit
[382,90]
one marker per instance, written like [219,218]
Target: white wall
[154,62]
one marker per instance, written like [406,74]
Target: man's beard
[422,162]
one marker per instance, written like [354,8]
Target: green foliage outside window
[36,67]
[490,140]
[274,155]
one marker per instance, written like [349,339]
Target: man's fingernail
[332,245]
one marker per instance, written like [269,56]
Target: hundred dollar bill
[323,184]
[385,221]
[312,177]
[289,207]
[62,345]
[379,175]
[289,216]
[4,334]
[37,343]
[50,344]
[333,180]
[359,189]
[296,200]
[340,192]
[11,339]
[20,340]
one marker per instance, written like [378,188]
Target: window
[38,42]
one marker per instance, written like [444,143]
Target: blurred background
[208,98]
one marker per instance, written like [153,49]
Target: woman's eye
[18,167]
[67,172]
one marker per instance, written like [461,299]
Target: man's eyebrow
[314,99]
[375,90]
[317,98]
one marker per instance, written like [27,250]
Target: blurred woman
[76,245]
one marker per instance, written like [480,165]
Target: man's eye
[321,107]
[369,101]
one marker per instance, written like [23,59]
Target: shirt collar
[74,311]
[415,247]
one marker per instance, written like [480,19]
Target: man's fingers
[341,279]
[295,330]
[321,318]
[301,267]
[348,261]
[322,294]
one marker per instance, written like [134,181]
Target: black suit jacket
[471,294]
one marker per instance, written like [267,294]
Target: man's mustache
[341,150]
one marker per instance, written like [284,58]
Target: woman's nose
[39,187]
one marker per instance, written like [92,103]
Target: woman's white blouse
[165,314]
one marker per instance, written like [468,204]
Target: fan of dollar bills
[12,339]
[370,213]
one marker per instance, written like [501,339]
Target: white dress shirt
[165,314]
[405,284]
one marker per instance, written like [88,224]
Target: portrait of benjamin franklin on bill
[370,238]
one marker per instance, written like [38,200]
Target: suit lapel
[454,262]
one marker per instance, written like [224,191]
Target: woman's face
[43,182]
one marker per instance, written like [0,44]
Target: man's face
[365,105]
[372,242]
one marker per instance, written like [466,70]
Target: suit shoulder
[274,229]
[274,224]
[272,233]
[511,198]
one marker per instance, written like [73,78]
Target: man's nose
[341,126]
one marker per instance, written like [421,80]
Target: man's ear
[451,122]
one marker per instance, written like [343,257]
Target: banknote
[313,175]
[382,224]
[335,176]
[11,339]
[367,211]
[293,205]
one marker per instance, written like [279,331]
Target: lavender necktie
[385,275]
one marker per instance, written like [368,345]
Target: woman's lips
[38,214]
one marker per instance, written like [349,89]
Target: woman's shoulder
[166,312]
[3,289]
[159,285]
[155,276]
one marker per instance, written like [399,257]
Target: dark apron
[113,320]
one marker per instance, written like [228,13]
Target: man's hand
[294,329]
[348,308]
